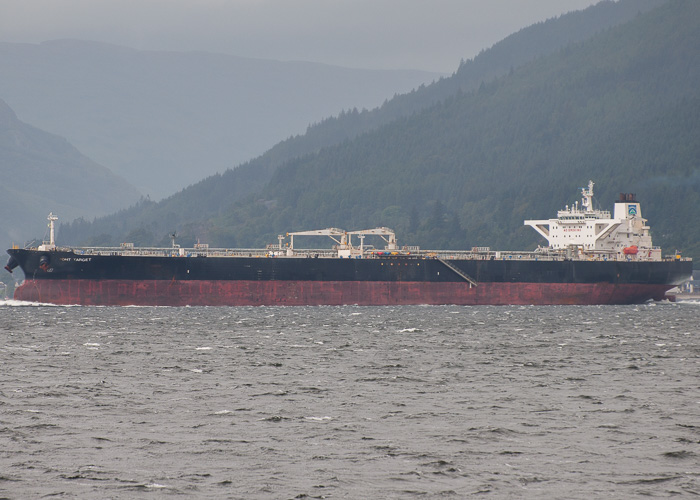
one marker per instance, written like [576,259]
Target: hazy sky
[417,34]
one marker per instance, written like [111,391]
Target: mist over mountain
[42,173]
[163,120]
[196,208]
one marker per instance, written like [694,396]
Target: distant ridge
[214,195]
[42,172]
[515,50]
[415,174]
[163,120]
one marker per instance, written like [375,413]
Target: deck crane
[383,232]
[332,232]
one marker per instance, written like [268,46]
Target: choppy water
[350,402]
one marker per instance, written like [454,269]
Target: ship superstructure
[588,231]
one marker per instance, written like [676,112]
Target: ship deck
[478,253]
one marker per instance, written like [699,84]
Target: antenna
[52,219]
[587,201]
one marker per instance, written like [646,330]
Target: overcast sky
[381,34]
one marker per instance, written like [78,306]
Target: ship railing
[202,252]
[167,252]
[490,255]
[310,253]
[676,256]
[474,254]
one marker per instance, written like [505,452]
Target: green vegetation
[621,108]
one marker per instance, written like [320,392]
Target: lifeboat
[630,250]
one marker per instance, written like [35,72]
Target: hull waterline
[297,293]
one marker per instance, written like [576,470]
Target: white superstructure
[51,244]
[585,230]
[343,239]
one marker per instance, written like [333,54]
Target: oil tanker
[591,258]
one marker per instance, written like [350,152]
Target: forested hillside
[213,196]
[622,108]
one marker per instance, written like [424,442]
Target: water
[350,402]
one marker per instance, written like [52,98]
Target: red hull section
[299,293]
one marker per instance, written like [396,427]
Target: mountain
[622,108]
[43,173]
[163,120]
[213,196]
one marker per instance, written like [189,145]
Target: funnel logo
[632,210]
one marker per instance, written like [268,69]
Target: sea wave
[22,303]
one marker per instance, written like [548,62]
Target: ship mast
[51,244]
[587,194]
[52,219]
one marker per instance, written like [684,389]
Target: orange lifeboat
[630,250]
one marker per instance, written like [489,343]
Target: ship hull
[296,293]
[70,278]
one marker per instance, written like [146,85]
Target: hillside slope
[215,195]
[42,173]
[163,120]
[622,109]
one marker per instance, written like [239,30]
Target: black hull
[68,277]
[68,265]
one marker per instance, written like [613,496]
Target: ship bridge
[591,230]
